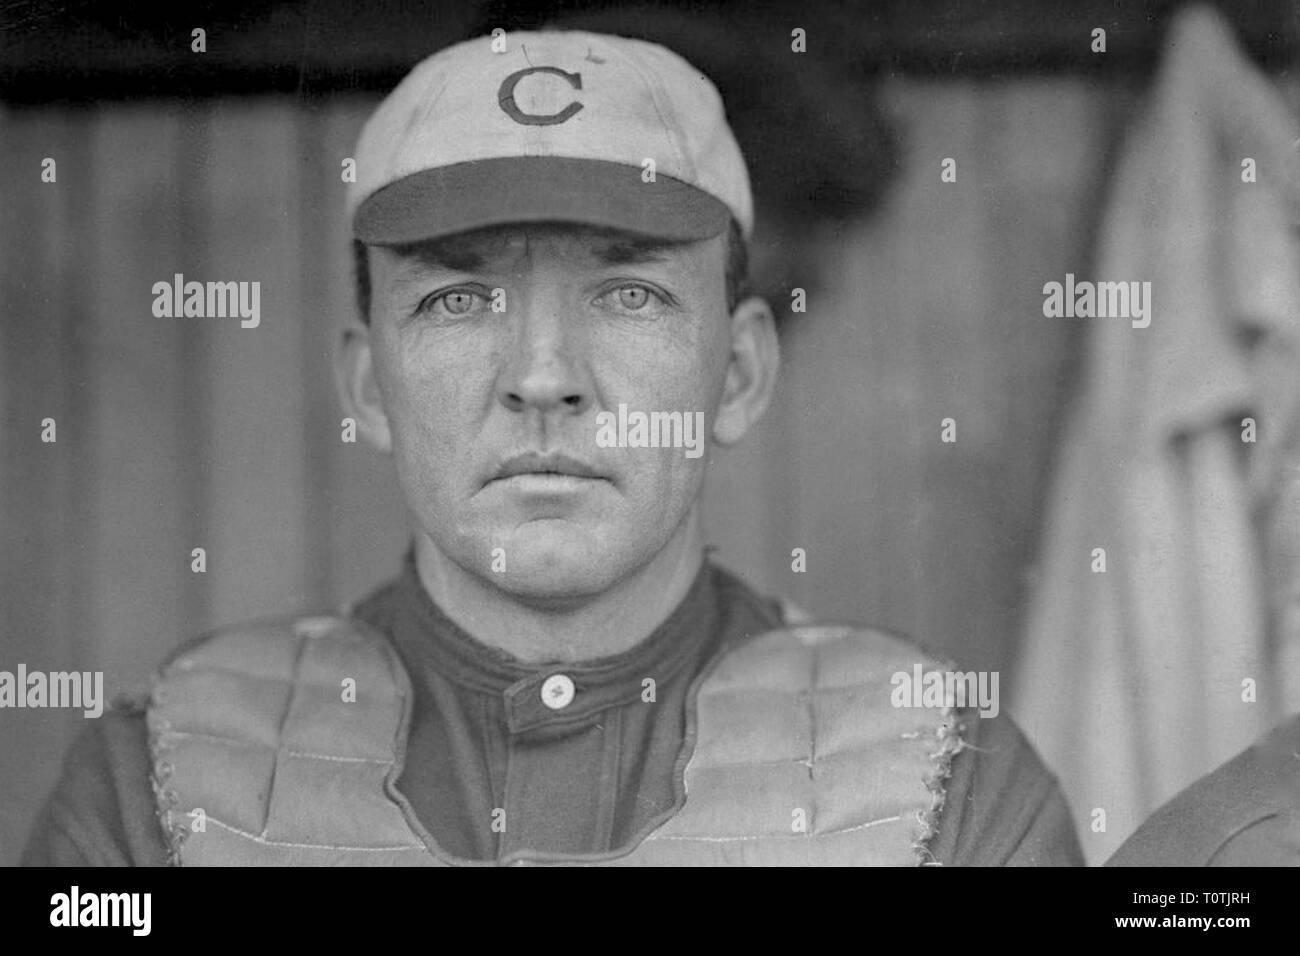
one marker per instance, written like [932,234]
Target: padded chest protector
[794,755]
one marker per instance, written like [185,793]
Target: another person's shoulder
[1244,813]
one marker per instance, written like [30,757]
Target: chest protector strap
[280,744]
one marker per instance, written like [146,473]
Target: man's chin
[556,565]
[553,586]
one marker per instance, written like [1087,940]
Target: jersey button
[557,691]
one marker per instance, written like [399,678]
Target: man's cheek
[430,438]
[657,381]
[662,479]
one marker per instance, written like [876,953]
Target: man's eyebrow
[471,254]
[455,256]
[620,252]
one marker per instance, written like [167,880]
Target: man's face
[493,414]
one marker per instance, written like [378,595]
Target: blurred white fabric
[1130,682]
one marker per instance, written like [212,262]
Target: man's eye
[452,302]
[634,298]
[458,302]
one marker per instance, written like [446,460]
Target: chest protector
[281,744]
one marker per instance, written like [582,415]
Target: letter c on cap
[506,97]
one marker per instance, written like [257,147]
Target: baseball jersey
[584,777]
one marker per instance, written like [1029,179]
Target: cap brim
[490,192]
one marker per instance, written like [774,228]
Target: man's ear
[751,372]
[359,394]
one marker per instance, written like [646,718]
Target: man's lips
[535,463]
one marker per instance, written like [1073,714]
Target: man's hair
[736,275]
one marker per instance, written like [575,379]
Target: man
[551,239]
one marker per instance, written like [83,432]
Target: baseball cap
[562,126]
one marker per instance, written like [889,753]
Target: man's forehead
[511,244]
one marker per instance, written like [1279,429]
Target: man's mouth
[536,463]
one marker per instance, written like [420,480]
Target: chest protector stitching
[280,744]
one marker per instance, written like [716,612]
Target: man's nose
[545,371]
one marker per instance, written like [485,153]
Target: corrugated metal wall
[182,433]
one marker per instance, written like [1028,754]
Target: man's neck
[608,623]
